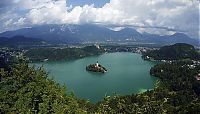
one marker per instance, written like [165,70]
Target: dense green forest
[173,52]
[54,54]
[26,89]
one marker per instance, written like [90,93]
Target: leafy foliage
[27,90]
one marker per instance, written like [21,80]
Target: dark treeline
[174,52]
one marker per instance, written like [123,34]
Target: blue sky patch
[97,3]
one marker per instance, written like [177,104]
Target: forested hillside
[174,52]
[59,54]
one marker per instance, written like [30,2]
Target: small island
[96,68]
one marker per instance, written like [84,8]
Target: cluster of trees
[179,76]
[174,52]
[58,54]
[25,89]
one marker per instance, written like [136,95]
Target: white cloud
[20,22]
[147,15]
[116,28]
[158,31]
[47,11]
[8,23]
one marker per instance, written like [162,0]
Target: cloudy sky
[153,16]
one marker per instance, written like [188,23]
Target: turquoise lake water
[127,73]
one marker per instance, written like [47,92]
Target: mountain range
[94,33]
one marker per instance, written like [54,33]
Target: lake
[127,73]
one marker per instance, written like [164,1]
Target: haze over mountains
[92,33]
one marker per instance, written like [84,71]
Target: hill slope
[20,41]
[174,52]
